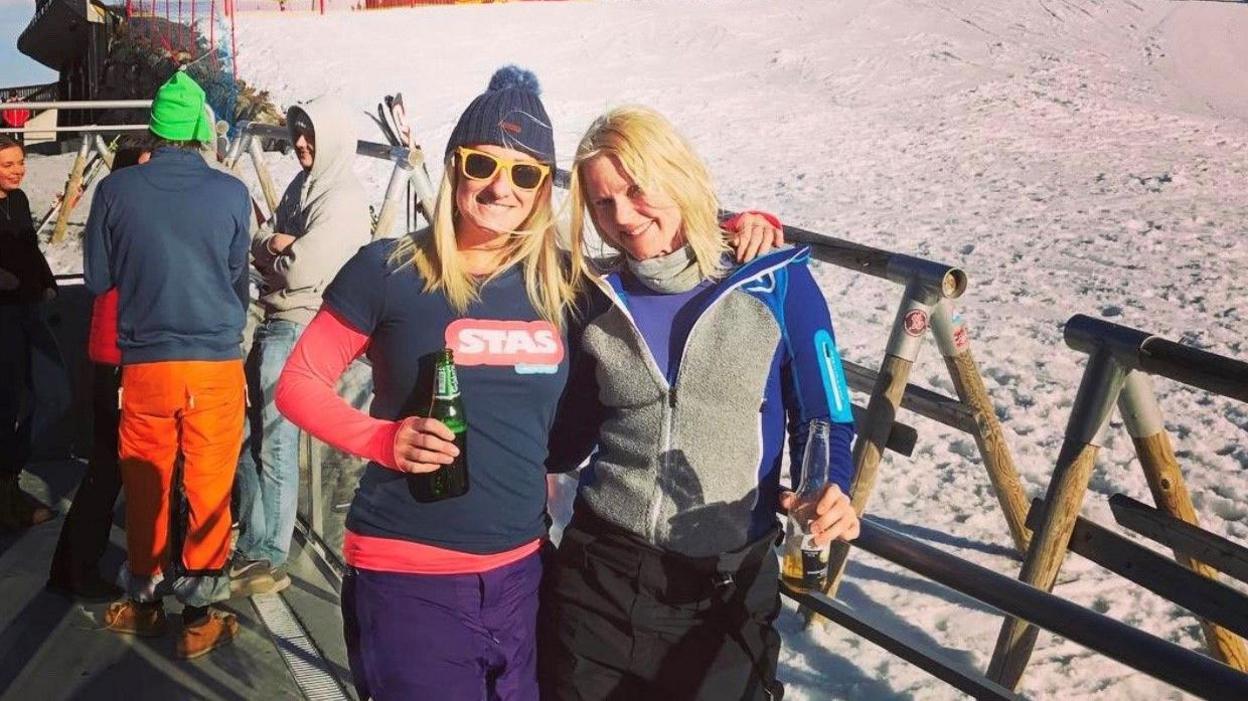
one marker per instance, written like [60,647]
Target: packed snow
[1073,156]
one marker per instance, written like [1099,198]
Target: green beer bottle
[451,480]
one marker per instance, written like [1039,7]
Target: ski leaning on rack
[392,119]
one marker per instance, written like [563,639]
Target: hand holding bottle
[817,513]
[423,445]
[832,516]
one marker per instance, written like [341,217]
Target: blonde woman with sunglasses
[440,598]
[686,382]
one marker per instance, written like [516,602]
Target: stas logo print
[531,347]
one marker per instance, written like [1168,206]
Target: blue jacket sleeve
[97,246]
[813,380]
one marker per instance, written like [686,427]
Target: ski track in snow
[1073,156]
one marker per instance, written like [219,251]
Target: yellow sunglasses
[479,165]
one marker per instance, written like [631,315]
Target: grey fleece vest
[679,466]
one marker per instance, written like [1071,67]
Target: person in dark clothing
[26,282]
[84,537]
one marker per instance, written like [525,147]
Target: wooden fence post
[904,342]
[1142,416]
[955,345]
[71,189]
[1098,391]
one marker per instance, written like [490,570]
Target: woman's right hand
[423,445]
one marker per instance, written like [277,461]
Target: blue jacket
[694,466]
[172,236]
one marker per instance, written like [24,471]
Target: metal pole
[79,104]
[104,151]
[1098,391]
[71,189]
[316,501]
[422,184]
[262,173]
[954,342]
[394,197]
[903,347]
[1142,416]
[1139,350]
[84,128]
[234,154]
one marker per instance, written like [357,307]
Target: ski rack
[409,166]
[1120,360]
[92,153]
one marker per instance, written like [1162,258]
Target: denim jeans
[268,469]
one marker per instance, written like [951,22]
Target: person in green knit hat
[172,236]
[178,112]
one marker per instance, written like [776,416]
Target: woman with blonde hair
[665,584]
[440,598]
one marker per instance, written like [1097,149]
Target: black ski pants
[621,620]
[84,537]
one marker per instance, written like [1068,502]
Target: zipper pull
[671,398]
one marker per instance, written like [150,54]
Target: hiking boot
[251,577]
[207,634]
[129,616]
[18,509]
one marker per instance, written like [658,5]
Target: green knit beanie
[178,111]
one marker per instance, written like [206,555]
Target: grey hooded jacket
[325,208]
[693,467]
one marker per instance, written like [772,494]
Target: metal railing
[1120,360]
[1144,652]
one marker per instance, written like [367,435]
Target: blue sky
[16,69]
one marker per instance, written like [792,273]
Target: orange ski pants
[188,415]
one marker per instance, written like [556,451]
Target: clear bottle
[446,406]
[805,564]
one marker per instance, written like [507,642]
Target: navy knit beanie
[509,114]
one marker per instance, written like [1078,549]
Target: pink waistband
[394,555]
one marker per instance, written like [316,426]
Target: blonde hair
[550,282]
[657,159]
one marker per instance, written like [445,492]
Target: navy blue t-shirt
[512,368]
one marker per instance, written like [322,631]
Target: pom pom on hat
[513,76]
[510,114]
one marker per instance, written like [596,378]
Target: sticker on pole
[915,322]
[961,336]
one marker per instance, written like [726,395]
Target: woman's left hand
[834,515]
[754,236]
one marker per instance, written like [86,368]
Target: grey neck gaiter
[670,274]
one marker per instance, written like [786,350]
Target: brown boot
[128,616]
[18,509]
[207,634]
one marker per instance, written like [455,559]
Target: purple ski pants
[455,637]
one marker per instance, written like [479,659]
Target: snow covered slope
[1072,155]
